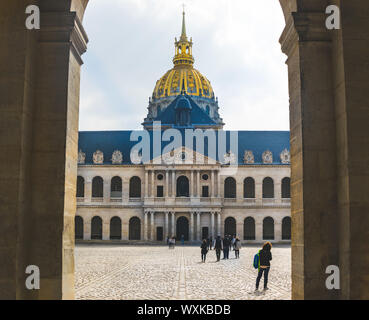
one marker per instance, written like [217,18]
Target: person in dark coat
[211,243]
[218,247]
[226,245]
[204,250]
[265,256]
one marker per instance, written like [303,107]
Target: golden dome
[183,73]
[171,84]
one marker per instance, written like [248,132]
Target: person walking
[233,242]
[211,243]
[237,247]
[226,244]
[265,256]
[218,247]
[204,250]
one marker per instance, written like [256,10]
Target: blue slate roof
[256,141]
[198,116]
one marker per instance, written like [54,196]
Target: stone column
[198,229]
[39,105]
[166,184]
[86,229]
[146,184]
[277,190]
[218,225]
[173,224]
[166,234]
[107,184]
[192,187]
[277,230]
[212,184]
[219,191]
[191,227]
[106,229]
[152,183]
[198,184]
[88,190]
[259,230]
[212,232]
[173,183]
[314,133]
[239,229]
[145,226]
[152,227]
[259,190]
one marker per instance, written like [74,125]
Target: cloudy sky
[235,46]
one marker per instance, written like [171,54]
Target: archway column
[239,229]
[277,230]
[174,185]
[212,225]
[166,227]
[88,190]
[146,183]
[258,230]
[86,229]
[198,229]
[219,224]
[106,189]
[105,228]
[152,226]
[191,226]
[173,224]
[145,226]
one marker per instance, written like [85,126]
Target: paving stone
[153,272]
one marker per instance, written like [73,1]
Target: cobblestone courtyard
[154,272]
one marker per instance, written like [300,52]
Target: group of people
[233,243]
[226,244]
[229,243]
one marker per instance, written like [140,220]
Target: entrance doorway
[230,226]
[205,232]
[134,229]
[182,228]
[159,233]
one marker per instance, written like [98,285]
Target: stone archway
[329,139]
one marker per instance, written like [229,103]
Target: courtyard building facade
[192,191]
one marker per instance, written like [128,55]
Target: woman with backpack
[237,247]
[265,256]
[204,250]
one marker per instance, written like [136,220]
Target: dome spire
[184,35]
[183,47]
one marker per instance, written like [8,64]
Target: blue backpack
[256,261]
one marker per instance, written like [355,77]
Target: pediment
[183,156]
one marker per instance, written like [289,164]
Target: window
[116,187]
[97,187]
[268,188]
[205,191]
[249,188]
[286,189]
[286,228]
[160,191]
[135,187]
[80,187]
[183,187]
[249,229]
[268,228]
[230,188]
[115,228]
